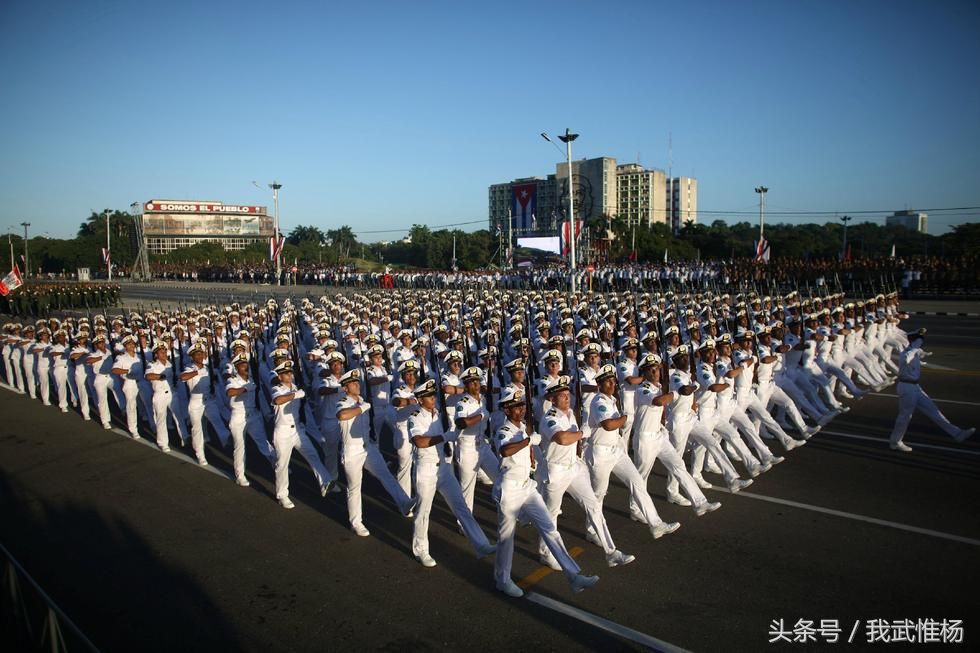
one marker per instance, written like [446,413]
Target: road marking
[542,571]
[604,624]
[942,401]
[173,454]
[922,445]
[862,518]
[941,367]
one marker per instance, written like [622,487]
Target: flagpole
[108,249]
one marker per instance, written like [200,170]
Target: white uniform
[42,367]
[607,455]
[400,438]
[563,471]
[358,453]
[130,389]
[651,442]
[199,406]
[163,403]
[434,472]
[59,370]
[628,367]
[473,452]
[516,494]
[912,397]
[245,416]
[329,426]
[288,434]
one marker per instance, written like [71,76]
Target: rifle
[579,446]
[300,381]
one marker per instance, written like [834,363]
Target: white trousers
[912,397]
[44,383]
[471,459]
[287,437]
[750,404]
[241,421]
[403,449]
[355,461]
[604,460]
[103,386]
[429,478]
[81,387]
[522,499]
[60,375]
[162,409]
[651,446]
[573,479]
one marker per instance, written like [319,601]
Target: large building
[641,194]
[536,206]
[170,224]
[915,220]
[682,202]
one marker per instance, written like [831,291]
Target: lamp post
[762,190]
[27,261]
[567,139]
[275,186]
[10,242]
[843,251]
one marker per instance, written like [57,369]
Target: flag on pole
[762,251]
[275,246]
[11,282]
[105,256]
[565,242]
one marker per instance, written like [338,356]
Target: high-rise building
[641,194]
[537,205]
[682,201]
[915,220]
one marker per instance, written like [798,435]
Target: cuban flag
[565,241]
[275,246]
[105,256]
[762,251]
[524,206]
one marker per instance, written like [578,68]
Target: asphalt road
[147,552]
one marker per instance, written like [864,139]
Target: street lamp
[762,190]
[845,219]
[275,186]
[27,261]
[567,139]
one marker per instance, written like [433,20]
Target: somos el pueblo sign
[190,207]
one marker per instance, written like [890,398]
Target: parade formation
[537,394]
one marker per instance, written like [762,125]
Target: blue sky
[396,113]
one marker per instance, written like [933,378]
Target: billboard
[169,224]
[546,244]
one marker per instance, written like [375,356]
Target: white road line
[939,367]
[856,517]
[940,401]
[173,454]
[972,452]
[604,624]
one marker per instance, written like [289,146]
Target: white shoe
[426,560]
[706,507]
[591,536]
[844,409]
[793,444]
[286,503]
[739,484]
[107,426]
[964,434]
[844,394]
[703,484]
[549,561]
[755,470]
[618,559]
[165,449]
[360,531]
[663,528]
[581,582]
[713,467]
[135,436]
[678,500]
[202,462]
[510,589]
[775,460]
[900,446]
[326,488]
[810,432]
[242,482]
